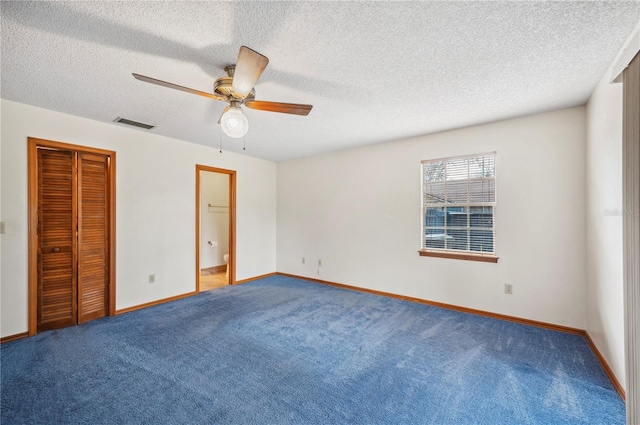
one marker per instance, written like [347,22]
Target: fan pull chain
[244,142]
[220,137]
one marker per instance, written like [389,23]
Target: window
[458,207]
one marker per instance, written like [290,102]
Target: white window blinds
[458,204]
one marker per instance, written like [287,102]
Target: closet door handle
[56,249]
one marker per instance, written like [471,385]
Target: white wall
[605,294]
[155,201]
[214,221]
[359,211]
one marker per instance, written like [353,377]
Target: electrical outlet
[319,263]
[508,288]
[152,278]
[302,260]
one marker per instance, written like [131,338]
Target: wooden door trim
[32,169]
[232,221]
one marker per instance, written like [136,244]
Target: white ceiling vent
[134,123]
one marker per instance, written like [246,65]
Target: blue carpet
[286,351]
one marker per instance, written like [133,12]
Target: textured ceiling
[374,71]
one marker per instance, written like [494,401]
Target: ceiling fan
[237,89]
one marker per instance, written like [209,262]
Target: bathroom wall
[214,221]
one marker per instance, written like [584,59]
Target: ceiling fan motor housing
[223,86]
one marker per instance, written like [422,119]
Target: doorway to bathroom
[215,227]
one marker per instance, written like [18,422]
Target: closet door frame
[32,166]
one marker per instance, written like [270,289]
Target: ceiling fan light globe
[234,123]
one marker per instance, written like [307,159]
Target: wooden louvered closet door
[93,222]
[56,250]
[73,244]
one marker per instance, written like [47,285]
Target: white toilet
[226,260]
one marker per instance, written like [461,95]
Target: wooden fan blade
[285,108]
[249,67]
[177,87]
